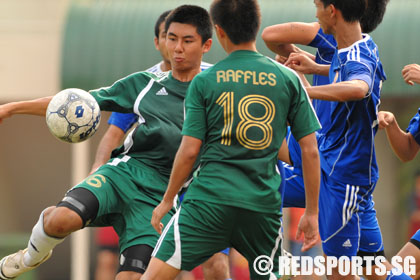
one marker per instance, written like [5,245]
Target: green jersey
[158,100]
[240,108]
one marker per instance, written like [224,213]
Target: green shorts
[200,229]
[127,191]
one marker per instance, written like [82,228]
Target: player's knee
[217,267]
[81,202]
[61,221]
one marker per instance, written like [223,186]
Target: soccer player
[124,192]
[216,267]
[406,145]
[238,111]
[348,224]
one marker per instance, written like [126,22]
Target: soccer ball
[73,115]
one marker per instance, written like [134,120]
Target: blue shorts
[347,218]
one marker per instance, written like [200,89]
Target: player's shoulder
[155,68]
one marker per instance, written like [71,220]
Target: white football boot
[12,265]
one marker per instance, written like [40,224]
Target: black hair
[194,15]
[240,19]
[352,10]
[159,21]
[373,15]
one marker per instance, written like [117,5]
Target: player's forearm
[402,143]
[36,107]
[341,92]
[182,167]
[311,172]
[109,142]
[282,49]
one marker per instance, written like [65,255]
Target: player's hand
[280,59]
[385,119]
[301,63]
[411,74]
[308,225]
[158,213]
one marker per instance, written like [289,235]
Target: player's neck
[346,34]
[248,46]
[185,75]
[165,66]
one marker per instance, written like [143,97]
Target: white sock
[40,244]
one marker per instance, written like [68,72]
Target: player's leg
[195,233]
[54,224]
[217,267]
[339,221]
[371,244]
[412,249]
[259,238]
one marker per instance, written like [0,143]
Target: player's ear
[156,41]
[207,45]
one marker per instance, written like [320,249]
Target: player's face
[160,43]
[184,45]
[322,14]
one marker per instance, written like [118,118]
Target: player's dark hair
[373,15]
[194,15]
[240,19]
[159,22]
[352,10]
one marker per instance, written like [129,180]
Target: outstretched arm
[37,107]
[280,38]
[183,165]
[308,224]
[403,143]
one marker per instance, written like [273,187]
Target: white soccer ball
[73,115]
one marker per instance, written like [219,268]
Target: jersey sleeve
[301,117]
[195,113]
[121,96]
[356,70]
[414,127]
[123,121]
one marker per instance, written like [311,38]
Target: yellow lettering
[230,75]
[221,75]
[272,77]
[246,76]
[254,78]
[262,77]
[239,75]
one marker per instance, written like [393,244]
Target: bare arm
[284,153]
[111,140]
[341,92]
[280,38]
[311,177]
[183,165]
[37,107]
[403,143]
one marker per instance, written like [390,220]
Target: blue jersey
[126,120]
[414,127]
[325,45]
[348,141]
